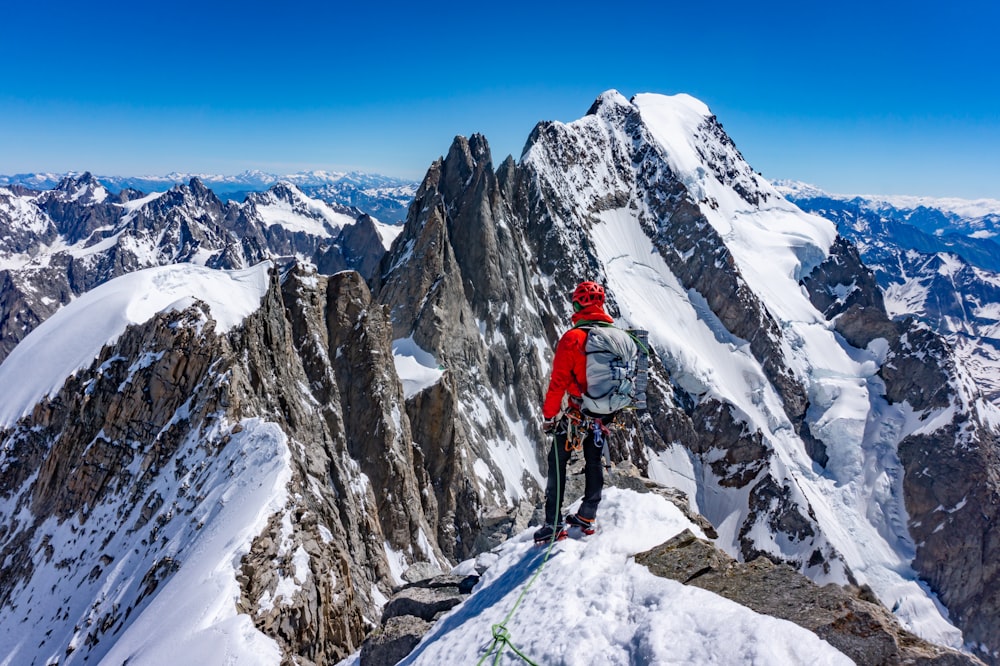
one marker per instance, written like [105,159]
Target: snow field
[192,618]
[189,552]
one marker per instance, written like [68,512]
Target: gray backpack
[616,370]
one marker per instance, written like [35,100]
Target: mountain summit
[346,437]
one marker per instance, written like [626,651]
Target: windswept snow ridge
[592,604]
[73,337]
[192,565]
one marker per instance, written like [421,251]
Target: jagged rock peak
[198,188]
[72,182]
[467,156]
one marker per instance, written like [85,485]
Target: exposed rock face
[850,619]
[951,486]
[129,452]
[410,614]
[456,282]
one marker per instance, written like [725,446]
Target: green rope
[501,635]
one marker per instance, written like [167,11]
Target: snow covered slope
[286,206]
[94,577]
[935,259]
[72,338]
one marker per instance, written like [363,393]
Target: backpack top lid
[612,368]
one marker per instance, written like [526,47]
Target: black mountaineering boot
[586,525]
[544,534]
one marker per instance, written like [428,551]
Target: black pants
[556,486]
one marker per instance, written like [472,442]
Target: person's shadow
[483,600]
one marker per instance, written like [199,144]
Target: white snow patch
[417,369]
[192,618]
[388,232]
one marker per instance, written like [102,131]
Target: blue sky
[888,98]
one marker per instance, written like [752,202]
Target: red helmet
[587,293]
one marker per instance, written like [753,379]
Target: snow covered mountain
[788,408]
[60,243]
[382,197]
[935,259]
[266,469]
[190,453]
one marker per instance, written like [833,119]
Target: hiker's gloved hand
[548,425]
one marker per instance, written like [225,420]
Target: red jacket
[569,367]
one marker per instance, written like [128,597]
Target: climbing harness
[579,425]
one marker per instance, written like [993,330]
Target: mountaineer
[593,375]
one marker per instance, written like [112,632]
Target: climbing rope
[501,635]
[578,427]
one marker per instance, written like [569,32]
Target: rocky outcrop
[850,619]
[410,613]
[356,485]
[952,487]
[361,247]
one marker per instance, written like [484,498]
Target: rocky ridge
[849,618]
[141,464]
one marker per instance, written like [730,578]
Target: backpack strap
[590,323]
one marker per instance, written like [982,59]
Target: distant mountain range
[383,197]
[969,228]
[935,259]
